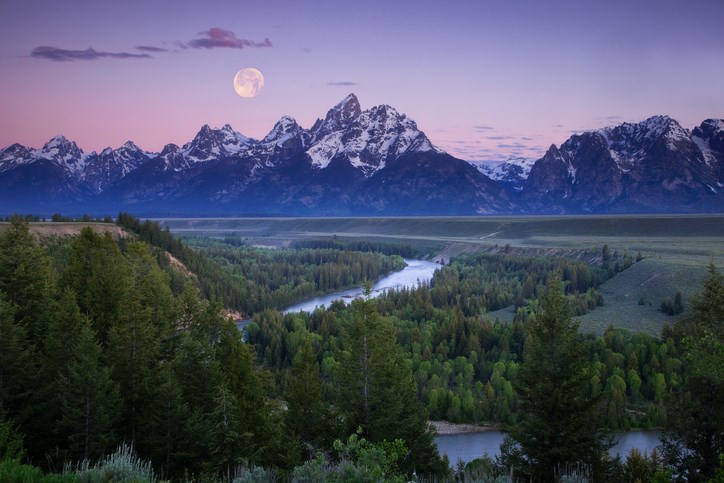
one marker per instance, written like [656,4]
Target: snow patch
[706,151]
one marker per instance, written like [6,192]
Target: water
[467,447]
[415,272]
[643,440]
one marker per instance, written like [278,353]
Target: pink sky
[484,80]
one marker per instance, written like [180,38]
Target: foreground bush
[121,466]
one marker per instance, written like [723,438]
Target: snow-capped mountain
[210,144]
[512,172]
[366,140]
[102,170]
[654,165]
[371,162]
[343,164]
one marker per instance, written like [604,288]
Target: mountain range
[371,162]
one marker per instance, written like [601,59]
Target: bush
[121,466]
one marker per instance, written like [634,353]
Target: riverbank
[445,428]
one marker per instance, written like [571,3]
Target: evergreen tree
[27,287]
[27,278]
[15,357]
[254,415]
[559,423]
[170,440]
[308,416]
[59,348]
[229,440]
[90,400]
[378,392]
[694,437]
[100,277]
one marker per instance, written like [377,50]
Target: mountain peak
[212,143]
[56,141]
[343,114]
[131,146]
[346,110]
[367,140]
[284,128]
[350,99]
[169,148]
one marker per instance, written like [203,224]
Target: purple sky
[483,79]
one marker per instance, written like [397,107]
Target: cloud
[498,138]
[341,83]
[64,55]
[216,37]
[484,128]
[512,146]
[150,48]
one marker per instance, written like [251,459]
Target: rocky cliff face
[652,166]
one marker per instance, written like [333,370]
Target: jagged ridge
[375,161]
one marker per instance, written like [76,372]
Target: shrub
[121,466]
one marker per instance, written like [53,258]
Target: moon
[248,82]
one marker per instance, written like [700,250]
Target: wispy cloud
[65,55]
[484,128]
[150,48]
[341,83]
[219,38]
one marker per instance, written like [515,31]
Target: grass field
[677,249]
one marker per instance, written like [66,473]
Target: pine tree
[133,349]
[170,439]
[694,436]
[90,400]
[559,422]
[308,415]
[27,278]
[15,359]
[100,277]
[378,392]
[56,356]
[248,390]
[229,440]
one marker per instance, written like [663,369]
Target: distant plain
[677,249]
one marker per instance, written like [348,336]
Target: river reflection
[467,447]
[415,272]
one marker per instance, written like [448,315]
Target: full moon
[248,82]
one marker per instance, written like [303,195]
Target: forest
[118,352]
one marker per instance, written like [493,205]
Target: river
[415,272]
[468,446]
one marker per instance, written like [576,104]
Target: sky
[485,80]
